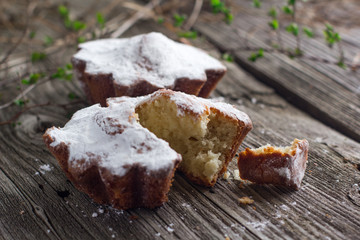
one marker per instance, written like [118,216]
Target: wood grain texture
[327,92]
[40,204]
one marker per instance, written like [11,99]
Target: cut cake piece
[207,134]
[275,165]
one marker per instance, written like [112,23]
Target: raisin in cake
[117,154]
[142,64]
[275,165]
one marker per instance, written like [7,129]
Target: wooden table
[285,99]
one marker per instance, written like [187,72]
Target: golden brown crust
[213,77]
[99,87]
[273,166]
[137,188]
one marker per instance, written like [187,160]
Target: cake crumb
[245,200]
[101,210]
[45,168]
[227,238]
[169,229]
[226,175]
[241,185]
[22,212]
[236,174]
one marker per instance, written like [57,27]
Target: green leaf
[256,3]
[69,66]
[20,102]
[32,34]
[260,53]
[33,78]
[72,96]
[189,34]
[292,2]
[293,28]
[64,73]
[298,52]
[229,18]
[287,10]
[81,39]
[272,12]
[274,24]
[48,41]
[78,25]
[255,56]
[179,20]
[308,32]
[342,64]
[217,6]
[228,57]
[161,20]
[100,20]
[331,37]
[64,12]
[37,56]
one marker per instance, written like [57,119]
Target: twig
[298,43]
[29,12]
[17,115]
[136,17]
[22,94]
[278,33]
[194,15]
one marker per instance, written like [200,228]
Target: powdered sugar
[112,138]
[151,57]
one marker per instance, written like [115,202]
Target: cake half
[207,134]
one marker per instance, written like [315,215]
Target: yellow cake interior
[202,140]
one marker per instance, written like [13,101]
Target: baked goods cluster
[117,154]
[150,120]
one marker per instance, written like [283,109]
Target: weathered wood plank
[321,209]
[313,87]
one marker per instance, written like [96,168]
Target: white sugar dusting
[152,57]
[169,228]
[107,135]
[44,168]
[112,138]
[186,205]
[259,225]
[284,207]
